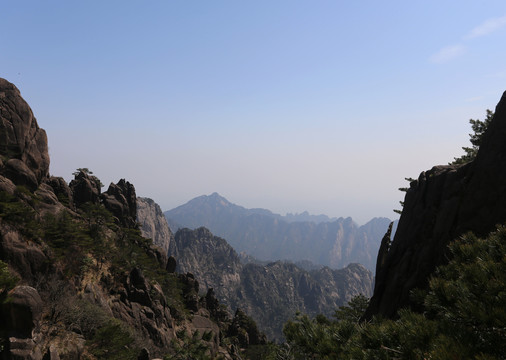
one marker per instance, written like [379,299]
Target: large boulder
[441,205]
[23,145]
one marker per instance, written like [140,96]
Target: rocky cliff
[441,205]
[77,279]
[271,237]
[23,145]
[153,223]
[271,294]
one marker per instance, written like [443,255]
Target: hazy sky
[293,105]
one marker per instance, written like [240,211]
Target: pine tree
[479,127]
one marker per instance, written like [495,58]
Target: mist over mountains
[332,242]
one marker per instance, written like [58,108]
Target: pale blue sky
[322,106]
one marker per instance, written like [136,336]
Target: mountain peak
[218,199]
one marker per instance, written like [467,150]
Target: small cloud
[487,27]
[447,53]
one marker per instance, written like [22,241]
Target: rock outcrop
[121,201]
[153,224]
[23,145]
[441,205]
[85,189]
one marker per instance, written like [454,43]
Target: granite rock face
[23,145]
[441,205]
[153,224]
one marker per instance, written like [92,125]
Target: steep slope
[77,280]
[153,224]
[270,237]
[441,205]
[270,293]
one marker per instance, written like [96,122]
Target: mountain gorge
[269,237]
[271,294]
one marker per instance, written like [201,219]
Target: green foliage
[113,341]
[130,250]
[465,316]
[87,242]
[69,239]
[207,335]
[479,127]
[84,170]
[188,348]
[468,296]
[7,280]
[354,310]
[262,352]
[15,210]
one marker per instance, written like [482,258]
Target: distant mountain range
[332,242]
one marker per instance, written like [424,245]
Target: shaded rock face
[121,201]
[61,190]
[23,145]
[85,188]
[153,224]
[23,311]
[442,204]
[270,294]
